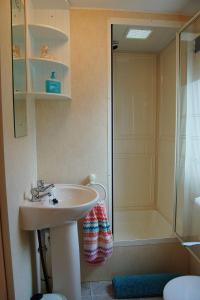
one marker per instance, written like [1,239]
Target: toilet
[52,297]
[182,288]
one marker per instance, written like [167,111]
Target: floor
[101,290]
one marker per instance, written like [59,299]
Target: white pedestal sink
[183,288]
[74,202]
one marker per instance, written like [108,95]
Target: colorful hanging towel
[97,235]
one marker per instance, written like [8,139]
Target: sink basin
[183,288]
[74,202]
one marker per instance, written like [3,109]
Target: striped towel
[97,235]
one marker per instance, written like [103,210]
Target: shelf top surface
[20,25]
[48,61]
[47,32]
[49,96]
[19,59]
[44,96]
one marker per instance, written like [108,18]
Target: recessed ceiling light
[138,34]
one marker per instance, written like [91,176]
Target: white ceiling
[158,40]
[187,7]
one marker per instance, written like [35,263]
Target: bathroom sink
[183,288]
[74,202]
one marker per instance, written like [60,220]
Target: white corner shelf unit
[49,96]
[47,24]
[46,32]
[51,62]
[18,32]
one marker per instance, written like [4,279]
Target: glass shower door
[188,135]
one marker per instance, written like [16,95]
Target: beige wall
[72,137]
[166,131]
[20,166]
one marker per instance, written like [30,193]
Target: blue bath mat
[136,286]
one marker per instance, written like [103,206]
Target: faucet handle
[40,183]
[34,193]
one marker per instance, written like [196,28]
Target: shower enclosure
[144,118]
[188,135]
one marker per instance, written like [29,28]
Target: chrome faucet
[42,187]
[36,196]
[38,193]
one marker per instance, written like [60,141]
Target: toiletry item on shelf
[16,51]
[44,53]
[53,85]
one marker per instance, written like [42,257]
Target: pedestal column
[66,261]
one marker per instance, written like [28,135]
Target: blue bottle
[53,85]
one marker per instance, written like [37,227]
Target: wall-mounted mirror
[188,139]
[19,67]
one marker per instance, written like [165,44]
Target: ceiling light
[138,34]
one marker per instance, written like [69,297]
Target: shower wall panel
[134,130]
[166,132]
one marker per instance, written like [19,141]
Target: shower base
[140,225]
